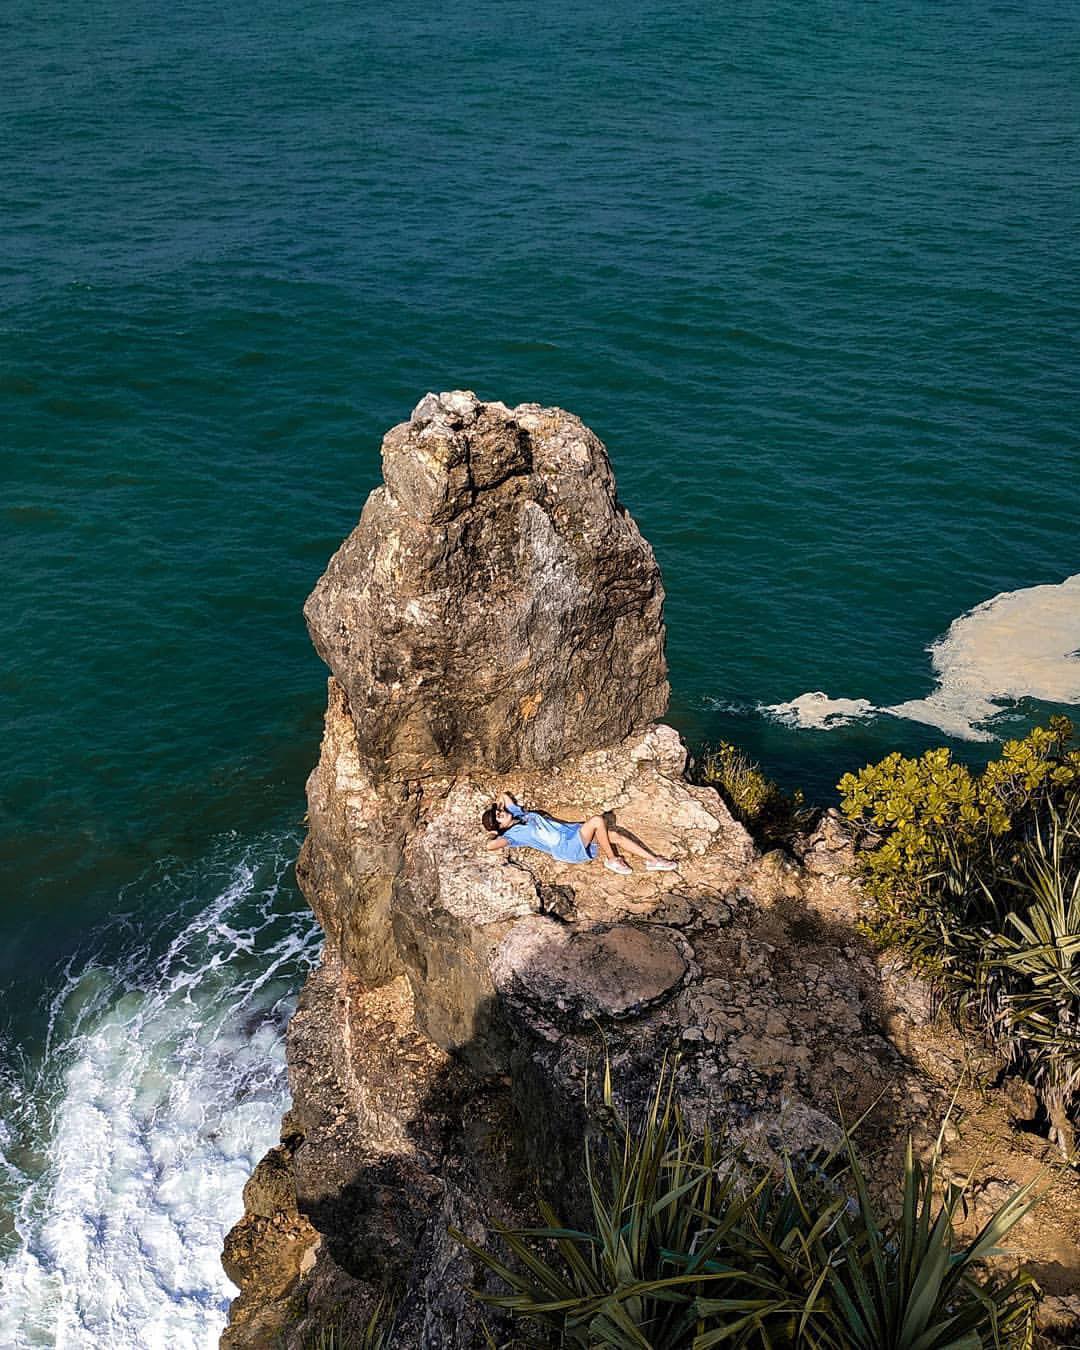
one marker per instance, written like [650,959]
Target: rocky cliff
[495,621]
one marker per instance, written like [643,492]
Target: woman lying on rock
[568,841]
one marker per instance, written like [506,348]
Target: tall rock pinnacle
[496,605]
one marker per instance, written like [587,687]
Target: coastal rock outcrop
[495,606]
[495,622]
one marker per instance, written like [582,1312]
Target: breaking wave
[1020,645]
[161,1084]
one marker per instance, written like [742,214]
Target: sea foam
[818,712]
[1021,644]
[162,1084]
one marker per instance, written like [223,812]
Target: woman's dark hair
[490,821]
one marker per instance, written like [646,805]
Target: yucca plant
[1035,962]
[908,1285]
[377,1333]
[632,1281]
[692,1246]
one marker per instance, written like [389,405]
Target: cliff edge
[495,622]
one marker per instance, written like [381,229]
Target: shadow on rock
[774,1016]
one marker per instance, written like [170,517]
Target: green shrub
[948,833]
[768,812]
[692,1245]
[976,878]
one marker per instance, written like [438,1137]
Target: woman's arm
[508,802]
[500,841]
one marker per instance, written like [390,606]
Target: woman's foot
[617,865]
[661,865]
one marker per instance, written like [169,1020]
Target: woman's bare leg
[594,829]
[612,842]
[627,845]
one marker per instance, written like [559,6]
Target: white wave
[1021,644]
[164,1082]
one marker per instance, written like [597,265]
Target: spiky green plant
[631,1282]
[694,1246]
[1034,967]
[908,1285]
[377,1333]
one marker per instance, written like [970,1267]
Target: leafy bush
[692,1245]
[976,878]
[768,812]
[949,833]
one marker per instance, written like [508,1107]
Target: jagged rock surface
[455,906]
[495,606]
[495,623]
[352,852]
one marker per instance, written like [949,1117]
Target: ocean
[811,271]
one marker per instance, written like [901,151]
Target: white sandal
[661,865]
[617,865]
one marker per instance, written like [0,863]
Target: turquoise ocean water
[812,271]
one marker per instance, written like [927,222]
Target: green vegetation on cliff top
[693,1244]
[975,877]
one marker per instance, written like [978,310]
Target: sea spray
[161,1084]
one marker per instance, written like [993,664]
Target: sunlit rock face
[465,922]
[496,608]
[496,605]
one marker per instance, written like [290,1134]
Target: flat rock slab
[453,903]
[576,976]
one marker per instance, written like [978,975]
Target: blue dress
[535,830]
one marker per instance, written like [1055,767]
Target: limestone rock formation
[353,848]
[494,622]
[495,606]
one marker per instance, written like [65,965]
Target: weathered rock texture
[495,606]
[495,622]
